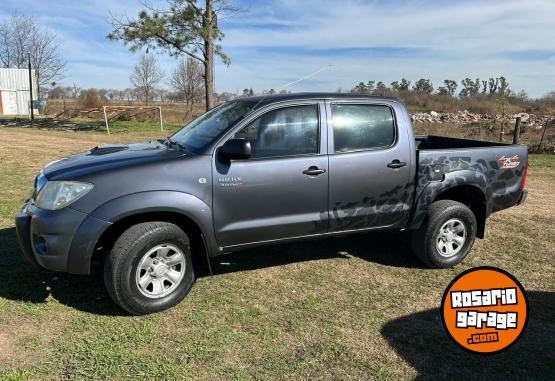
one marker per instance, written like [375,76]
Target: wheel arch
[474,198]
[186,211]
[468,187]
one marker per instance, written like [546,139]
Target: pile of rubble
[47,123]
[465,117]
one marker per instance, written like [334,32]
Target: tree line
[498,86]
[469,88]
[185,80]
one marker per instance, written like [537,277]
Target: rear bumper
[46,236]
[522,197]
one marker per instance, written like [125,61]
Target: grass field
[352,308]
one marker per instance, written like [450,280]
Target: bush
[91,99]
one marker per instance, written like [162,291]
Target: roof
[268,99]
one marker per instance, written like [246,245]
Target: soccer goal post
[118,110]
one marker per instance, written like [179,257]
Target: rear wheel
[446,236]
[150,268]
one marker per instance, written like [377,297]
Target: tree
[451,86]
[21,36]
[57,92]
[404,85]
[470,88]
[186,79]
[91,99]
[248,92]
[395,86]
[360,88]
[145,76]
[370,87]
[493,84]
[503,86]
[381,88]
[424,87]
[183,29]
[484,87]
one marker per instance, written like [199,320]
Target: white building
[14,91]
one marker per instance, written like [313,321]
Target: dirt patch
[6,345]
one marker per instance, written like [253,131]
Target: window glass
[357,127]
[283,132]
[204,130]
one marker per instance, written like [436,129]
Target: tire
[166,273]
[445,248]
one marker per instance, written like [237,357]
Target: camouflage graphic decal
[436,173]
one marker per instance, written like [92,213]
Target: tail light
[524,176]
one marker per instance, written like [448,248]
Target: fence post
[548,122]
[106,120]
[516,132]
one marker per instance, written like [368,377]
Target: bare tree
[145,76]
[187,79]
[20,36]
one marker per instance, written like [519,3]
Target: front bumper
[46,236]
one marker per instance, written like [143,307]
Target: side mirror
[235,149]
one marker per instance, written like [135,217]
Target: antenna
[292,83]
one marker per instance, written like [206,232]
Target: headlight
[58,194]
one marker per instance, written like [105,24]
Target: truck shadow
[22,281]
[25,282]
[422,342]
[387,248]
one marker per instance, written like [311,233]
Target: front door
[368,167]
[282,190]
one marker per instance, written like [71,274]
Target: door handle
[396,164]
[313,171]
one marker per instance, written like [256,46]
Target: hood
[106,157]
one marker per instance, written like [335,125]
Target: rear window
[359,127]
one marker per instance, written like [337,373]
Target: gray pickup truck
[256,171]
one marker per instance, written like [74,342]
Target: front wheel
[150,268]
[446,235]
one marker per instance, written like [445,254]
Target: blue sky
[276,42]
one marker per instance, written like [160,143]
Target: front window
[206,129]
[282,132]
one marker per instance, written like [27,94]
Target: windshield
[201,132]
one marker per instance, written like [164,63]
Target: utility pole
[31,88]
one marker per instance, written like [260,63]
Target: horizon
[277,42]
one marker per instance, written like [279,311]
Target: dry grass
[359,307]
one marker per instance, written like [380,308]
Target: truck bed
[430,142]
[496,169]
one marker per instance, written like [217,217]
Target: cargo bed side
[492,173]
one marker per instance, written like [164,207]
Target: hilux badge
[230,181]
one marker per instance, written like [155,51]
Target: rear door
[282,190]
[369,167]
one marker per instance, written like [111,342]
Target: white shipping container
[14,91]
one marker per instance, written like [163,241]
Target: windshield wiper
[170,143]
